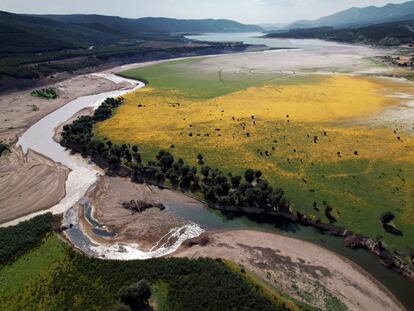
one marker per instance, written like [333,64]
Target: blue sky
[248,11]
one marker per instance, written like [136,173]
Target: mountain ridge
[359,17]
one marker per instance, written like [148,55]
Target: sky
[246,11]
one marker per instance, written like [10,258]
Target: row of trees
[249,190]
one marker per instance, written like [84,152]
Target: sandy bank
[29,184]
[143,229]
[296,267]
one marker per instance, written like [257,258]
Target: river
[84,174]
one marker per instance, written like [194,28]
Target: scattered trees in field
[214,185]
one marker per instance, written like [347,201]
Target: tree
[249,175]
[135,295]
[387,217]
[200,159]
[235,181]
[205,170]
[165,159]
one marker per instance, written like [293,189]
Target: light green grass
[187,78]
[31,266]
[159,298]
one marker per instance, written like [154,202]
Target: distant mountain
[387,34]
[358,17]
[118,25]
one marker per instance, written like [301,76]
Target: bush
[49,93]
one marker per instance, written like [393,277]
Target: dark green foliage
[202,284]
[49,93]
[15,240]
[249,175]
[135,295]
[387,217]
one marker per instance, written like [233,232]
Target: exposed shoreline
[264,253]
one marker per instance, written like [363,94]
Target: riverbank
[29,183]
[34,182]
[295,267]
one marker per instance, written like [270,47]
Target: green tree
[249,175]
[135,295]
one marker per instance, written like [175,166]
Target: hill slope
[22,33]
[127,26]
[361,16]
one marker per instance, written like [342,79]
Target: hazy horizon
[246,11]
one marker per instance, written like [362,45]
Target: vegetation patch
[49,93]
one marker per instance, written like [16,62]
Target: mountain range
[359,17]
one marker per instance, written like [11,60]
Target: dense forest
[250,190]
[72,281]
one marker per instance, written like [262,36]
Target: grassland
[301,131]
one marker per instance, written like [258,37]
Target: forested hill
[22,33]
[358,17]
[387,34]
[40,33]
[118,25]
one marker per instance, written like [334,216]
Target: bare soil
[301,269]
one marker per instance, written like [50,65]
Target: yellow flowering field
[306,137]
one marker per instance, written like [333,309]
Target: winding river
[84,174]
